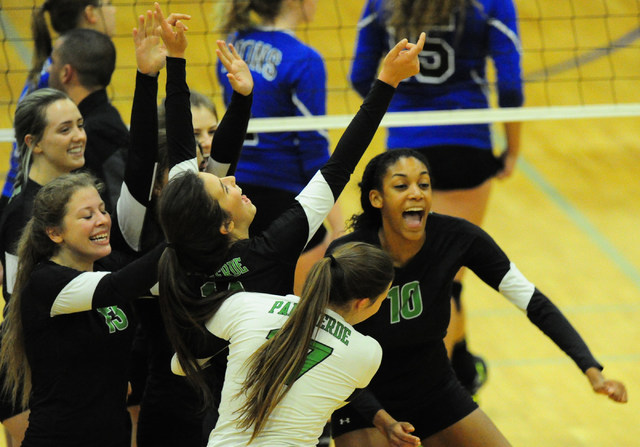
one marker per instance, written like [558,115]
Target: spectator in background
[64,15]
[83,61]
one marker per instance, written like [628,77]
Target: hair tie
[171,245]
[46,5]
[333,260]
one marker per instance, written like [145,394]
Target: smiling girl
[67,335]
[415,381]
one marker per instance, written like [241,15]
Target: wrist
[382,420]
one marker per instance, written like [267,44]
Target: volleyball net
[580,60]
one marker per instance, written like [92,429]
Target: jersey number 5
[318,352]
[437,61]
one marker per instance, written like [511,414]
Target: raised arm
[141,162]
[229,138]
[401,62]
[180,139]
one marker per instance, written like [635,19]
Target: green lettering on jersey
[283,307]
[406,302]
[233,267]
[317,353]
[115,318]
[276,305]
[335,328]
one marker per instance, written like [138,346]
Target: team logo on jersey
[115,318]
[232,268]
[261,57]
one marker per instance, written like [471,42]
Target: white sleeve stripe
[516,288]
[77,296]
[153,180]
[504,29]
[366,20]
[306,112]
[10,270]
[317,200]
[131,214]
[184,166]
[217,168]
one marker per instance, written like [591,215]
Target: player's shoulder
[364,235]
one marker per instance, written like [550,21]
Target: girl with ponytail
[292,360]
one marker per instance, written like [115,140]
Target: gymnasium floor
[569,217]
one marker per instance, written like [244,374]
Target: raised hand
[151,54]
[402,61]
[175,41]
[238,74]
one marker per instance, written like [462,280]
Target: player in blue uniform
[291,80]
[415,381]
[461,36]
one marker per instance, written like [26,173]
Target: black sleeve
[139,170]
[356,138]
[544,314]
[232,129]
[365,403]
[180,137]
[487,260]
[130,282]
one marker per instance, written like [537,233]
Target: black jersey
[168,399]
[77,331]
[413,320]
[14,218]
[266,263]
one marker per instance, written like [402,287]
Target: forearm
[512,133]
[180,138]
[229,137]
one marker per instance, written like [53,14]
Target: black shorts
[270,204]
[460,167]
[446,406]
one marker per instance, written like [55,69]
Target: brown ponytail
[354,270]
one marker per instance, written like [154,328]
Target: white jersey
[343,360]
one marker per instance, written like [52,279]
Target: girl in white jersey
[293,360]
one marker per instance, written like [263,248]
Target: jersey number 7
[317,353]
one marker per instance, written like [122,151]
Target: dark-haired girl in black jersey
[428,249]
[168,400]
[216,254]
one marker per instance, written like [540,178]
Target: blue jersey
[452,69]
[14,161]
[290,80]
